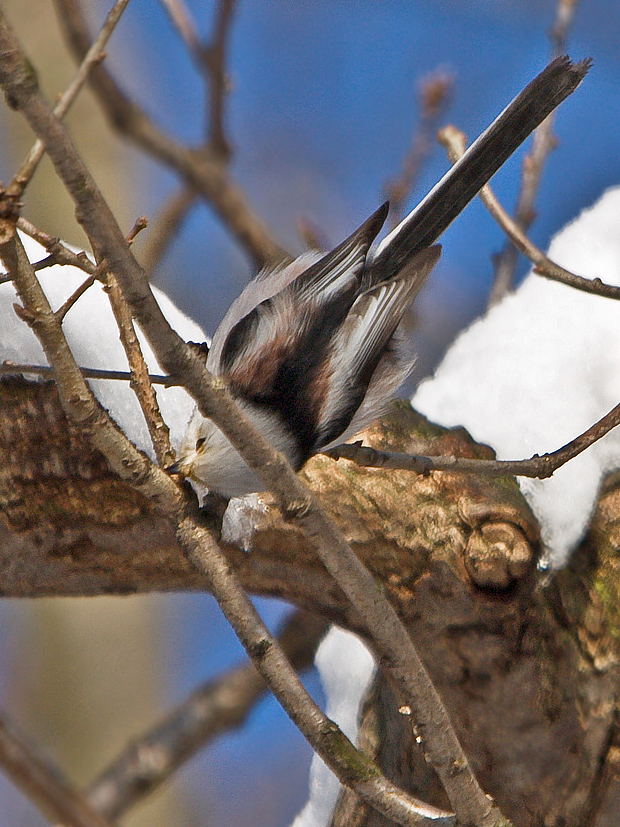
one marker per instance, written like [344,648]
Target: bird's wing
[256,344]
[361,341]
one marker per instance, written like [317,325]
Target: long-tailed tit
[312,349]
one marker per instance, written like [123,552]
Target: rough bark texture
[529,671]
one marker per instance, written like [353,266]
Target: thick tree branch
[352,769]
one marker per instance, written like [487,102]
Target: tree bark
[528,669]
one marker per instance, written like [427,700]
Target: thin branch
[141,223]
[138,375]
[181,19]
[201,171]
[394,645]
[58,252]
[435,92]
[540,467]
[312,235]
[43,784]
[219,706]
[351,767]
[543,143]
[454,141]
[215,57]
[561,27]
[139,382]
[66,306]
[165,227]
[211,60]
[13,368]
[92,58]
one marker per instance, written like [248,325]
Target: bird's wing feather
[340,269]
[254,347]
[361,341]
[257,344]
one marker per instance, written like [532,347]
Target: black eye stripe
[200,442]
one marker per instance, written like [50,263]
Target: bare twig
[215,58]
[351,767]
[436,733]
[165,227]
[561,26]
[219,706]
[93,57]
[435,92]
[141,223]
[13,368]
[201,171]
[455,141]
[543,143]
[210,59]
[43,784]
[180,17]
[58,252]
[540,467]
[140,382]
[66,306]
[312,236]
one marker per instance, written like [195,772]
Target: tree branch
[58,252]
[93,57]
[435,92]
[540,467]
[43,784]
[211,60]
[13,368]
[215,58]
[218,706]
[165,227]
[543,143]
[83,409]
[140,381]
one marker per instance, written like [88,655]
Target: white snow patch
[346,668]
[93,336]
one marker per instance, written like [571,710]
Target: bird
[312,350]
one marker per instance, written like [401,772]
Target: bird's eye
[200,442]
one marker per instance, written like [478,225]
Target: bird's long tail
[423,226]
